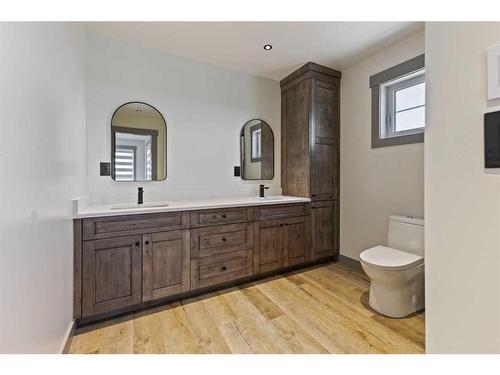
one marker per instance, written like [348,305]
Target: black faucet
[261,190]
[140,195]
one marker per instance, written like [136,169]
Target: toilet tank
[406,233]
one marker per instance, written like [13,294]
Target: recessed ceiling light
[268,47]
[138,110]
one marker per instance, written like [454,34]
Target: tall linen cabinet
[310,163]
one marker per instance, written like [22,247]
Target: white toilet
[397,271]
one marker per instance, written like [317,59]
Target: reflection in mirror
[138,143]
[257,151]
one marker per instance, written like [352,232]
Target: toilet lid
[391,259]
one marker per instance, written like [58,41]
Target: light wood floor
[323,309]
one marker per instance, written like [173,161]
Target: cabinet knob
[224,268]
[147,242]
[281,225]
[137,243]
[224,216]
[224,239]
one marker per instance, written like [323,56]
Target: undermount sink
[143,205]
[272,198]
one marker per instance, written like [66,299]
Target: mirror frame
[242,170]
[113,142]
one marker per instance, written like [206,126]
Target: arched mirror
[257,151]
[138,143]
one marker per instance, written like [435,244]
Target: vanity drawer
[280,211]
[221,239]
[116,226]
[220,269]
[225,216]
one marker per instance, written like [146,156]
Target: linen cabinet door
[296,243]
[324,141]
[324,229]
[111,274]
[325,109]
[324,168]
[165,267]
[268,246]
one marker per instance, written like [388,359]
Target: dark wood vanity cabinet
[125,271]
[296,240]
[111,271]
[310,133]
[283,241]
[324,170]
[222,253]
[323,229]
[165,264]
[126,262]
[268,250]
[221,269]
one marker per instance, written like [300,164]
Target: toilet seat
[390,259]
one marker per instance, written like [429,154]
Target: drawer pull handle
[137,243]
[224,239]
[224,268]
[147,242]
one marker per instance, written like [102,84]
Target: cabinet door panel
[112,274]
[324,141]
[324,170]
[295,109]
[165,264]
[325,95]
[296,243]
[268,249]
[324,229]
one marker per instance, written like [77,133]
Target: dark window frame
[376,81]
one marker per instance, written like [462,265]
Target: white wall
[205,108]
[462,206]
[374,183]
[42,168]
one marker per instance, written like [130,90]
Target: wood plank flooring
[322,309]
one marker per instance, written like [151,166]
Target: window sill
[399,140]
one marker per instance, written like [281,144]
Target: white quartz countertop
[184,205]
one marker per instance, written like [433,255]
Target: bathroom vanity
[126,260]
[133,256]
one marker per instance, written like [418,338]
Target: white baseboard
[67,337]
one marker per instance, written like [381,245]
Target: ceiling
[239,45]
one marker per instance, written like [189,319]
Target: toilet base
[398,301]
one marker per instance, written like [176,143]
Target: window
[256,140]
[398,104]
[125,160]
[139,164]
[149,159]
[404,106]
